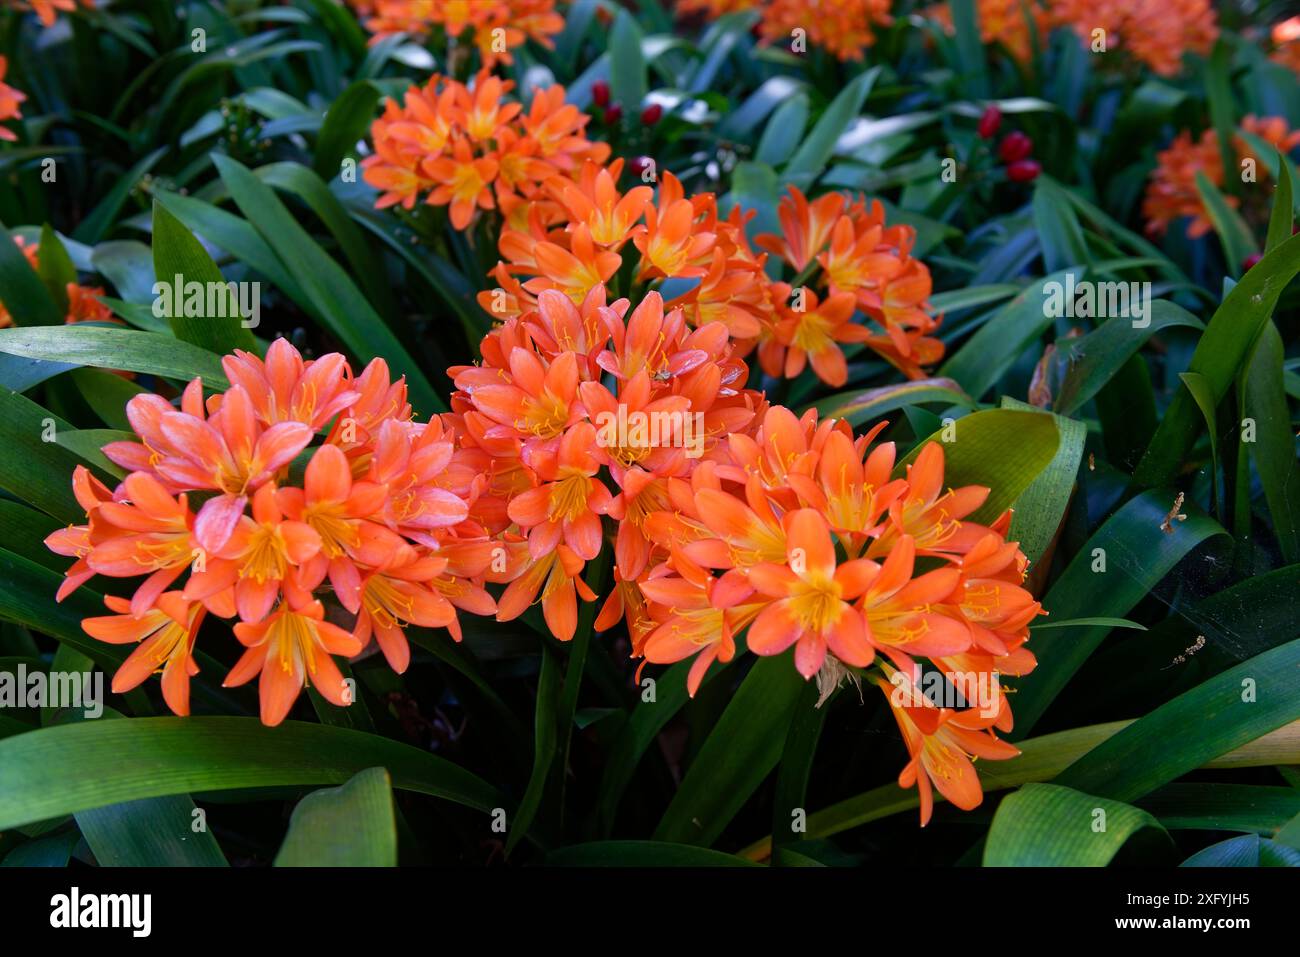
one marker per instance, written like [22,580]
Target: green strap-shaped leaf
[21,289]
[345,124]
[107,347]
[1117,568]
[1057,225]
[1092,360]
[1231,709]
[1222,350]
[345,311]
[1041,759]
[861,407]
[1282,217]
[348,826]
[544,745]
[1233,233]
[643,725]
[55,267]
[1044,825]
[71,768]
[35,466]
[1249,850]
[1274,446]
[627,76]
[152,832]
[180,259]
[743,748]
[1197,806]
[1203,393]
[816,150]
[789,807]
[983,359]
[1040,509]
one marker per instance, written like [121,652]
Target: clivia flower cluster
[303,484]
[230,509]
[494,27]
[467,149]
[844,257]
[568,226]
[843,28]
[1172,192]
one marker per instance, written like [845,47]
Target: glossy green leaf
[71,768]
[180,259]
[55,267]
[345,311]
[1057,225]
[107,347]
[627,76]
[818,147]
[860,408]
[1274,447]
[988,354]
[1232,708]
[1197,806]
[1221,352]
[1135,554]
[152,832]
[1040,509]
[1092,360]
[743,748]
[1249,850]
[21,290]
[346,123]
[348,826]
[1044,825]
[1233,233]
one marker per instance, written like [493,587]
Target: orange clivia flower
[291,649]
[10,101]
[942,744]
[165,634]
[812,592]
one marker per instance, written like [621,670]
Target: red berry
[1251,260]
[989,123]
[652,114]
[1024,170]
[613,114]
[600,93]
[639,164]
[1015,146]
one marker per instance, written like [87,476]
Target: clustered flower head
[305,503]
[84,304]
[574,235]
[494,27]
[231,507]
[11,100]
[1172,192]
[468,149]
[1155,32]
[729,515]
[1002,21]
[1286,43]
[843,28]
